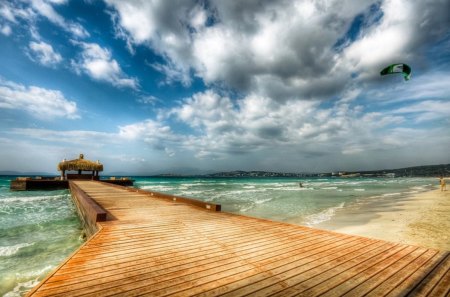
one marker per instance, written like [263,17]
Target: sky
[184,86]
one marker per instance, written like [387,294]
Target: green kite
[398,68]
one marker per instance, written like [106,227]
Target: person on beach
[442,183]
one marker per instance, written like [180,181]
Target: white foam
[245,209]
[359,190]
[323,216]
[263,201]
[329,188]
[6,251]
[417,188]
[37,273]
[31,198]
[248,187]
[21,288]
[391,194]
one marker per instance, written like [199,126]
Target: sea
[39,229]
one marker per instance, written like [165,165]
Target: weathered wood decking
[155,247]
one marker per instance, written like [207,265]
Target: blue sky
[204,86]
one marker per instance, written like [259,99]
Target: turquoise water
[39,229]
[283,199]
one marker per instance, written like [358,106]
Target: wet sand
[420,219]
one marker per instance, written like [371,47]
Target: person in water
[442,183]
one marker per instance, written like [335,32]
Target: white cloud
[44,53]
[283,49]
[97,62]
[5,30]
[428,110]
[28,12]
[152,132]
[150,99]
[257,123]
[45,9]
[39,102]
[257,131]
[68,136]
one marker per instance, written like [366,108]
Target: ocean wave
[305,189]
[6,251]
[245,208]
[391,194]
[329,188]
[158,188]
[37,273]
[417,188]
[359,190]
[21,288]
[263,200]
[411,192]
[32,198]
[323,216]
[248,187]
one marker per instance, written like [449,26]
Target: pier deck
[157,247]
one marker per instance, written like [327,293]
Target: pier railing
[173,198]
[89,211]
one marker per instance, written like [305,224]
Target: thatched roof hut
[80,164]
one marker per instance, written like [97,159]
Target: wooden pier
[147,245]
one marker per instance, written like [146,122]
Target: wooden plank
[349,273]
[162,280]
[244,285]
[403,274]
[224,274]
[268,249]
[431,280]
[329,270]
[442,289]
[176,268]
[157,247]
[414,279]
[383,275]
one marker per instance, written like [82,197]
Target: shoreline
[419,219]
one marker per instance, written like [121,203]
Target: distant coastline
[416,171]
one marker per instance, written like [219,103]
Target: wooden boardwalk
[156,247]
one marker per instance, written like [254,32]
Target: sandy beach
[421,219]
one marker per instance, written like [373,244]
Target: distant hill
[240,173]
[426,171]
[416,171]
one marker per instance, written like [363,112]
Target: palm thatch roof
[80,164]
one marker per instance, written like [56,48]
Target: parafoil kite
[398,68]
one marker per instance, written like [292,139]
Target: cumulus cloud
[257,123]
[97,62]
[45,8]
[39,102]
[154,133]
[282,49]
[77,137]
[260,131]
[5,30]
[44,54]
[428,110]
[28,12]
